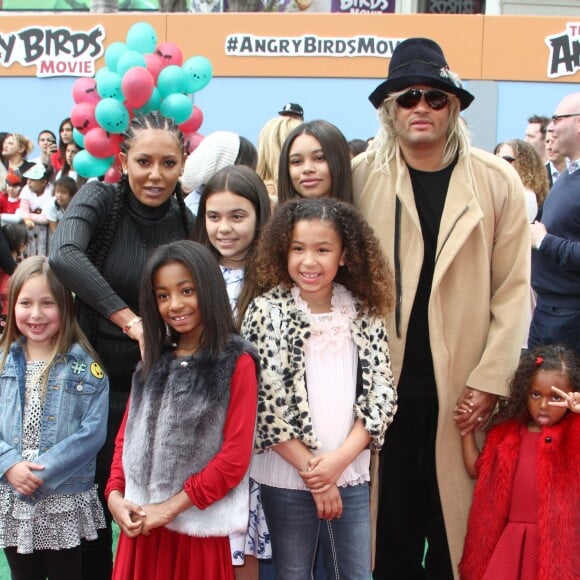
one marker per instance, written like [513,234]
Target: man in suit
[556,241]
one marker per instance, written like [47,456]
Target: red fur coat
[558,478]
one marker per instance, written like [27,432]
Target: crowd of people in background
[353,330]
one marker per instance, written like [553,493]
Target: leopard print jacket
[275,325]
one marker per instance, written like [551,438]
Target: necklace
[186,349]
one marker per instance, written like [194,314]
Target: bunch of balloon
[139,76]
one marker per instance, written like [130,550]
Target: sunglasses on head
[437,100]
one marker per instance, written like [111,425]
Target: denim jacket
[74,420]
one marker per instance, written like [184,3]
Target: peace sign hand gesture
[570,400]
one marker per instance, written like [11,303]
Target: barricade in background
[38,240]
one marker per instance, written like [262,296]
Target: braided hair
[102,242]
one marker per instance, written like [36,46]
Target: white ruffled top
[331,367]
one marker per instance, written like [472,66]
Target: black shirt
[430,191]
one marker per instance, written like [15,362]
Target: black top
[7,263]
[141,230]
[417,374]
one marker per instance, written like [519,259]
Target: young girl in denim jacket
[53,420]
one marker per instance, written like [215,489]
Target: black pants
[98,554]
[42,564]
[409,503]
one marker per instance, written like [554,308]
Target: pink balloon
[170,53]
[137,86]
[99,143]
[83,117]
[113,174]
[191,141]
[193,123]
[154,64]
[84,90]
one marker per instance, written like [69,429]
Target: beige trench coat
[479,305]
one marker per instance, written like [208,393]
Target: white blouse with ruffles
[331,367]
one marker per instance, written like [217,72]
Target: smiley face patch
[96,370]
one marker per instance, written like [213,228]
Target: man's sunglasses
[437,100]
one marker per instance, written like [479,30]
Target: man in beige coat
[452,220]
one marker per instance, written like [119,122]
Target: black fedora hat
[419,61]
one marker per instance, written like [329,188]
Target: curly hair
[336,151]
[365,273]
[385,146]
[101,244]
[530,168]
[542,358]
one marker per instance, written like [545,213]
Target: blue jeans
[296,534]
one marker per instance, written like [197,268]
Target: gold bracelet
[131,324]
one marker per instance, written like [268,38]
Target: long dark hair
[337,152]
[239,180]
[101,244]
[61,144]
[247,154]
[212,298]
[245,182]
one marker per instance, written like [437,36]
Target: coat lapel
[461,215]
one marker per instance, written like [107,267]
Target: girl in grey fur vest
[179,479]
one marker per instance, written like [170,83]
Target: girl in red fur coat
[524,522]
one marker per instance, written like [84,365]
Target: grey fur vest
[175,427]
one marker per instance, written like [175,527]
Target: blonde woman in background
[15,149]
[532,172]
[270,141]
[527,162]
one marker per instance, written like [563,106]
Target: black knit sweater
[141,230]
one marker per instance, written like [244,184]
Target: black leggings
[42,564]
[98,554]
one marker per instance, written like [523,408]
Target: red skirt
[167,555]
[516,554]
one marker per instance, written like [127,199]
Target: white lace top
[331,365]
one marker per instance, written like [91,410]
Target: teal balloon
[151,105]
[112,115]
[86,165]
[113,53]
[128,60]
[103,71]
[172,79]
[109,85]
[79,138]
[199,72]
[142,37]
[177,106]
